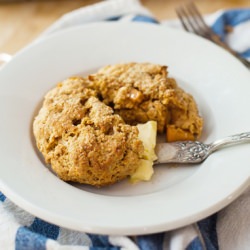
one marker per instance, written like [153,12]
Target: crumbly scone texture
[82,138]
[140,92]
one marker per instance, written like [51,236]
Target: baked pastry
[86,128]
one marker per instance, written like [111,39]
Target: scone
[140,92]
[82,138]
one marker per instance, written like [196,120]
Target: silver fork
[192,21]
[194,151]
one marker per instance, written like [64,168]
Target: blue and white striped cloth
[228,229]
[239,38]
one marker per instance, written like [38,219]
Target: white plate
[175,196]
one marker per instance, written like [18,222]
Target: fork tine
[187,22]
[197,12]
[199,18]
[183,22]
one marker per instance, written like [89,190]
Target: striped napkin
[228,229]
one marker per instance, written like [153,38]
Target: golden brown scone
[140,92]
[82,139]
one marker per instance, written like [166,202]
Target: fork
[192,21]
[194,151]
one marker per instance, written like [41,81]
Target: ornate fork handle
[230,140]
[195,151]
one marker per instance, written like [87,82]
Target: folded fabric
[228,229]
